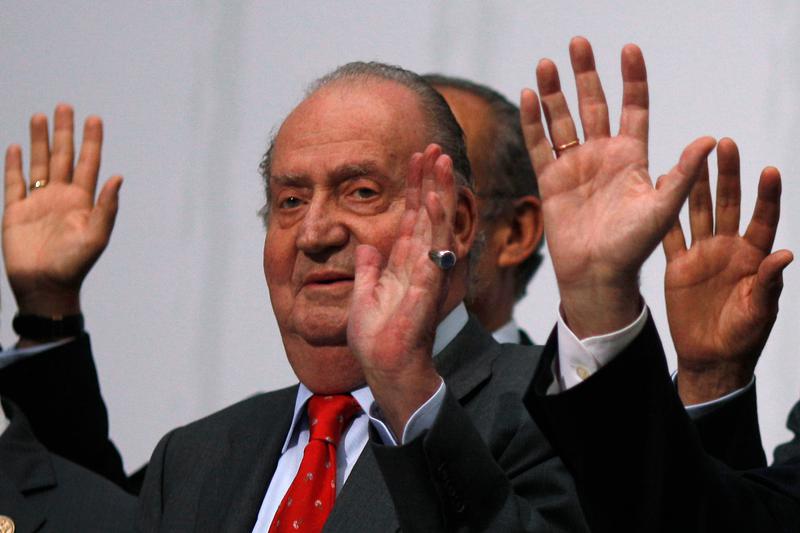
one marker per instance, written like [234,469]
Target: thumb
[674,187]
[769,281]
[368,266]
[102,217]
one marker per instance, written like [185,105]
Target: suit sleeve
[639,464]
[449,479]
[731,434]
[60,395]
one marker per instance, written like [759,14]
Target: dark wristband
[40,328]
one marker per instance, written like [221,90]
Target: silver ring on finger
[444,259]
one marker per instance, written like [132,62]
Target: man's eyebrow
[354,170]
[290,180]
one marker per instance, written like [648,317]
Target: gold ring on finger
[38,184]
[566,146]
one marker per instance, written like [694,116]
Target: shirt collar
[507,333]
[3,420]
[446,331]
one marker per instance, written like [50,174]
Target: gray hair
[511,174]
[441,126]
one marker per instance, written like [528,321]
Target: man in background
[510,230]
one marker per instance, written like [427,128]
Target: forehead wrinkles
[376,111]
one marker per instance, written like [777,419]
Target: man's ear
[465,222]
[523,233]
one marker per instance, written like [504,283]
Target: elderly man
[368,232]
[509,210]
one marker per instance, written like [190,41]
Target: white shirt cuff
[8,357]
[701,409]
[421,421]
[579,359]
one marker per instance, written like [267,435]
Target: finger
[556,111]
[89,159]
[429,158]
[40,148]
[14,181]
[63,155]
[440,232]
[700,217]
[673,242]
[592,104]
[769,281]
[539,149]
[729,193]
[634,120]
[764,224]
[677,183]
[414,182]
[445,185]
[104,213]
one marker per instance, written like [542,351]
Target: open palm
[53,235]
[602,215]
[722,292]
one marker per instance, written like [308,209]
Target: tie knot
[329,416]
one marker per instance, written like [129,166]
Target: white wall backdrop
[178,308]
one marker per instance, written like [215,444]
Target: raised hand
[602,215]
[52,235]
[396,301]
[722,292]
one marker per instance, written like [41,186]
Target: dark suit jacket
[483,465]
[639,464]
[59,393]
[42,492]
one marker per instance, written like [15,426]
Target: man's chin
[321,331]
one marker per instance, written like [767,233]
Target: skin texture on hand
[53,235]
[395,300]
[722,292]
[602,215]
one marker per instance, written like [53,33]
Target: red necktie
[309,500]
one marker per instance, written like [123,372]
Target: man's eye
[365,193]
[290,202]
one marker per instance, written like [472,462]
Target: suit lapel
[466,362]
[364,503]
[238,479]
[25,467]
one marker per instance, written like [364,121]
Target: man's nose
[321,230]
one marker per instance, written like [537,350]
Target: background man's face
[338,180]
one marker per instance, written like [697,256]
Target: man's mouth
[321,279]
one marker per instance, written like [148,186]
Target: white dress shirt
[355,438]
[13,355]
[508,333]
[579,359]
[3,420]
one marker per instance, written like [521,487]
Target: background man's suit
[483,465]
[43,492]
[626,424]
[59,393]
[790,451]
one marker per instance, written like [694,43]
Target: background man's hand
[602,215]
[396,301]
[53,235]
[722,293]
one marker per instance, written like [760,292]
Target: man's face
[337,180]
